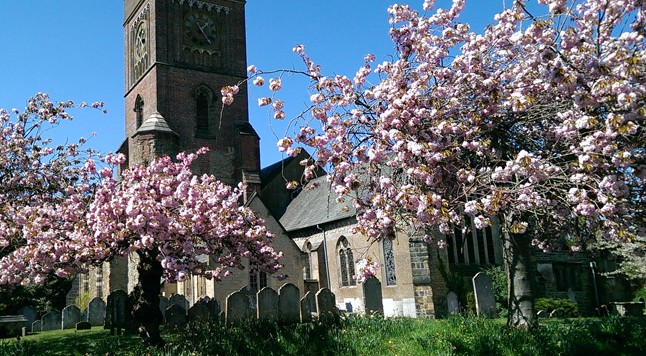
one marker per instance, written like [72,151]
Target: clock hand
[204,33]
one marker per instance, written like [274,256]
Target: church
[178,54]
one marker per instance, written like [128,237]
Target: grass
[358,336]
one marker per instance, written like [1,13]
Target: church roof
[268,173]
[316,204]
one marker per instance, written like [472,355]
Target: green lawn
[358,336]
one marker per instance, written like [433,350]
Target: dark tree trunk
[146,298]
[520,279]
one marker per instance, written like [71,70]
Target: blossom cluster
[366,268]
[539,119]
[62,209]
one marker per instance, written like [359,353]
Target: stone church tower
[178,54]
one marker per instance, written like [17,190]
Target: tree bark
[146,298]
[520,278]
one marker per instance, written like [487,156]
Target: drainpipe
[593,265]
[327,266]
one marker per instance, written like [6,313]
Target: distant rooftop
[316,204]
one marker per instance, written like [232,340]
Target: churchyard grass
[358,336]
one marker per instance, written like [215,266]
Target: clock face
[199,29]
[141,47]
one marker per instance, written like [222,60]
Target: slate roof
[155,123]
[268,173]
[315,204]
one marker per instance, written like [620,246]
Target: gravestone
[70,316]
[483,292]
[289,306]
[214,310]
[452,303]
[116,311]
[372,297]
[96,312]
[251,297]
[83,325]
[175,317]
[237,307]
[163,305]
[306,307]
[266,304]
[30,314]
[51,321]
[178,299]
[36,326]
[326,303]
[12,325]
[199,312]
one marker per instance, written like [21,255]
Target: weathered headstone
[571,295]
[70,316]
[116,311]
[250,293]
[175,317]
[199,312]
[452,304]
[306,307]
[36,326]
[289,306]
[163,305]
[30,314]
[83,325]
[372,297]
[483,292]
[96,312]
[237,307]
[178,299]
[214,310]
[326,303]
[12,325]
[51,321]
[267,304]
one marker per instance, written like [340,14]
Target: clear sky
[73,50]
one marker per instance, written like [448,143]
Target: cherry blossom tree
[38,179]
[63,214]
[536,122]
[171,219]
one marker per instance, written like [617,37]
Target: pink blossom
[275,84]
[264,101]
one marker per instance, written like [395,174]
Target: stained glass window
[389,262]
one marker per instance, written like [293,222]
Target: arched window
[346,262]
[389,261]
[469,245]
[307,270]
[257,279]
[139,111]
[203,103]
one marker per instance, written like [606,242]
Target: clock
[140,45]
[199,29]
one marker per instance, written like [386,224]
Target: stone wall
[430,287]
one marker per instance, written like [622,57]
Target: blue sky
[73,50]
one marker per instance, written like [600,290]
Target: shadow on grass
[357,336]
